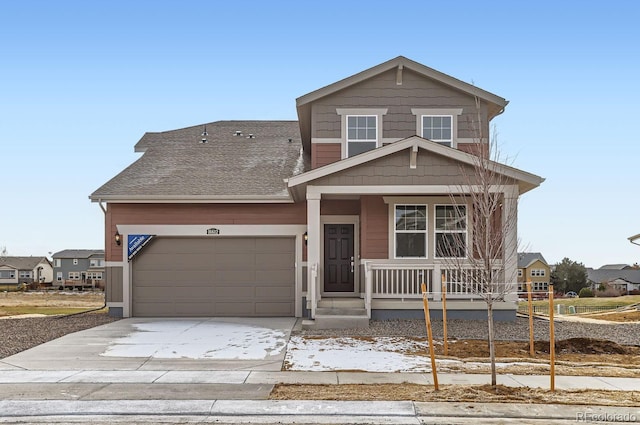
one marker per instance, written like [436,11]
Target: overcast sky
[80,83]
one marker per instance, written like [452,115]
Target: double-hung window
[438,128]
[410,231]
[451,231]
[362,134]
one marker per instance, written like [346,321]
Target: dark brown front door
[338,258]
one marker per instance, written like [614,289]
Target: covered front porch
[403,201]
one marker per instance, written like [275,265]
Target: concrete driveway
[164,344]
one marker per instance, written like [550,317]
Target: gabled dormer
[397,99]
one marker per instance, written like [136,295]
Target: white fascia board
[405,190]
[201,229]
[192,199]
[634,238]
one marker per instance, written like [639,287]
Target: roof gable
[495,104]
[23,263]
[445,156]
[526,259]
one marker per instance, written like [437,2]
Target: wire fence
[568,309]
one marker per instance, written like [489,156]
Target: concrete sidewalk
[309,412]
[241,396]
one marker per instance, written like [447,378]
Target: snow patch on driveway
[199,340]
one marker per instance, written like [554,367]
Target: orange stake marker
[427,319]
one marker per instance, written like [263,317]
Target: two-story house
[25,270]
[532,267]
[345,209]
[78,268]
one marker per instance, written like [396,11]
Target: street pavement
[35,387]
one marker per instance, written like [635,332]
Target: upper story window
[361,129]
[438,124]
[537,272]
[438,128]
[410,231]
[25,274]
[96,263]
[56,262]
[451,231]
[362,133]
[519,272]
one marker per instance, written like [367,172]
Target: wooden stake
[532,351]
[552,341]
[444,314]
[427,319]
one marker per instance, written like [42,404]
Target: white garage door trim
[226,230]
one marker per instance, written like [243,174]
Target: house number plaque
[213,231]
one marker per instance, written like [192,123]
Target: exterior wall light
[306,237]
[118,238]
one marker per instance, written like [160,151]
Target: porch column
[510,225]
[313,249]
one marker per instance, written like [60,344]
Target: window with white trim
[74,275]
[540,286]
[75,261]
[96,263]
[410,231]
[25,274]
[537,272]
[7,274]
[451,231]
[56,262]
[59,276]
[438,128]
[519,272]
[362,134]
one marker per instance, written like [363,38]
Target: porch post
[510,224]
[313,248]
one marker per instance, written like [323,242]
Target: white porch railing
[392,280]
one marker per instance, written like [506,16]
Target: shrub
[586,293]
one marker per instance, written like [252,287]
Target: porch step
[339,313]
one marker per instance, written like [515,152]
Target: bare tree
[3,253]
[474,232]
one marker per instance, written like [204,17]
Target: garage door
[190,277]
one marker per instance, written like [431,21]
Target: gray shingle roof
[607,275]
[78,253]
[526,258]
[176,165]
[22,263]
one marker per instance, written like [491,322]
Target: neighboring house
[620,277]
[78,268]
[25,270]
[532,267]
[341,209]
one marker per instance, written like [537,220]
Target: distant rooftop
[79,253]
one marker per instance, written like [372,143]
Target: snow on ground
[199,340]
[377,354]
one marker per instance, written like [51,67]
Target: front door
[338,258]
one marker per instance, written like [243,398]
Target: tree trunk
[492,344]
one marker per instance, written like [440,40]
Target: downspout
[104,210]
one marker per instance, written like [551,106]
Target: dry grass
[49,303]
[454,393]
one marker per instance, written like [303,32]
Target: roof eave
[180,199]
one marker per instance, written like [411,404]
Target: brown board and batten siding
[381,91]
[374,221]
[325,153]
[213,214]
